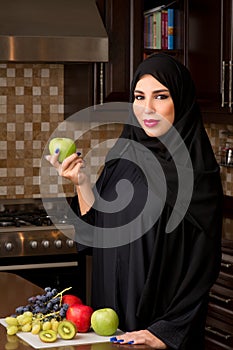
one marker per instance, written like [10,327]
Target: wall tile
[31,108]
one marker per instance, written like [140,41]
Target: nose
[149,106]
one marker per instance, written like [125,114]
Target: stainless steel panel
[52,31]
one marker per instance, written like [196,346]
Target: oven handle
[38,266]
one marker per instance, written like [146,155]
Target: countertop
[14,291]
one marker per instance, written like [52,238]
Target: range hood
[52,31]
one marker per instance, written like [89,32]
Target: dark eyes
[156,97]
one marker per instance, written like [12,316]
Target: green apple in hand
[104,321]
[65,145]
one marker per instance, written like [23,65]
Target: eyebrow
[154,92]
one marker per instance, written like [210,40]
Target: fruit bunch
[50,302]
[53,314]
[43,312]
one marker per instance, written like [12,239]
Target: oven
[32,247]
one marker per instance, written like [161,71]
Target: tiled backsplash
[220,135]
[31,108]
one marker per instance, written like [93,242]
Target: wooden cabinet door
[122,19]
[209,44]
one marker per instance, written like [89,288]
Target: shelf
[170,52]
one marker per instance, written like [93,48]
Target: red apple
[80,314]
[71,299]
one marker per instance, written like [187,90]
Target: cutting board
[80,339]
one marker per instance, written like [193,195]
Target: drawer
[222,296]
[219,333]
[221,314]
[227,264]
[213,344]
[225,280]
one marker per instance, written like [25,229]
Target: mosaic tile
[31,108]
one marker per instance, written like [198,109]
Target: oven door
[56,273]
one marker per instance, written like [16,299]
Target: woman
[157,279]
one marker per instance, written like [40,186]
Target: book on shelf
[170,29]
[162,28]
[157,30]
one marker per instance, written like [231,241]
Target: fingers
[69,161]
[126,338]
[70,168]
[53,159]
[139,337]
[72,161]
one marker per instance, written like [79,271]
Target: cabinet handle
[101,83]
[227,265]
[230,85]
[217,297]
[223,83]
[216,332]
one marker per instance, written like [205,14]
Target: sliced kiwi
[48,336]
[67,329]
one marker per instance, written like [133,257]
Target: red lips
[150,123]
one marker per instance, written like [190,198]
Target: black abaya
[160,280]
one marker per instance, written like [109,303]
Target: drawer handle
[217,297]
[215,332]
[226,264]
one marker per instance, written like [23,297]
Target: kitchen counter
[14,291]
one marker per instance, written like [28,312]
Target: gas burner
[25,219]
[10,221]
[37,219]
[6,223]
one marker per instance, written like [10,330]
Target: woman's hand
[140,337]
[71,168]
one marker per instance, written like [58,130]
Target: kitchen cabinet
[123,23]
[219,324]
[88,84]
[209,56]
[205,33]
[158,27]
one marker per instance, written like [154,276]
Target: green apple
[65,145]
[104,321]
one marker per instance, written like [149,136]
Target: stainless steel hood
[52,31]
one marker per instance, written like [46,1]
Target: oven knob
[33,244]
[8,246]
[70,243]
[58,243]
[45,244]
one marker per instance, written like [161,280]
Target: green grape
[36,328]
[27,327]
[28,313]
[22,319]
[46,326]
[54,324]
[11,321]
[11,330]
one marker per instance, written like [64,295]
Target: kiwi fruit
[48,336]
[67,329]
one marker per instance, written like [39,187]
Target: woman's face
[153,106]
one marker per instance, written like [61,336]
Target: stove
[40,247]
[33,233]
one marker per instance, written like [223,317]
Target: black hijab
[188,129]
